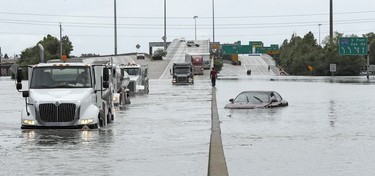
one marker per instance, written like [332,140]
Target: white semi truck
[67,95]
[139,81]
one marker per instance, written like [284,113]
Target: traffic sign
[353,46]
[332,67]
[256,44]
[311,68]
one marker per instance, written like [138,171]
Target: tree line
[303,56]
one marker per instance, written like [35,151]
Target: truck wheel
[147,90]
[101,123]
[110,117]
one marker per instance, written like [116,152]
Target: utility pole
[165,25]
[61,42]
[115,16]
[368,61]
[319,33]
[331,22]
[195,26]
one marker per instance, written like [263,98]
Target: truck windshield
[132,71]
[61,77]
[182,70]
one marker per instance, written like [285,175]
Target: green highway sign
[229,49]
[236,49]
[353,46]
[244,49]
[256,43]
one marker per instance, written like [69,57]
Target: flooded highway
[327,129]
[164,133]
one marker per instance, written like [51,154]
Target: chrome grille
[182,79]
[64,112]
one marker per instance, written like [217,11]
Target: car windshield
[61,77]
[252,97]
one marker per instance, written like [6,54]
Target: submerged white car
[256,99]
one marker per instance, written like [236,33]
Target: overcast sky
[89,23]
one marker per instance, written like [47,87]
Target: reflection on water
[263,114]
[49,137]
[332,114]
[59,137]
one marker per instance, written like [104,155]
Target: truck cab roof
[60,64]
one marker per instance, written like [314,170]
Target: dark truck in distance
[182,73]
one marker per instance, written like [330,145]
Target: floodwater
[164,133]
[327,129]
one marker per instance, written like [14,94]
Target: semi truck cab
[67,95]
[182,73]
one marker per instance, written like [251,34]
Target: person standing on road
[213,76]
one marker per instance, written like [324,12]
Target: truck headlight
[116,98]
[190,79]
[86,121]
[174,80]
[28,122]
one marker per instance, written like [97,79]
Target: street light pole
[61,48]
[319,33]
[195,26]
[115,22]
[331,22]
[213,20]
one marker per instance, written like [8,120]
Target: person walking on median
[213,76]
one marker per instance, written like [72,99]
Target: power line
[183,26]
[153,17]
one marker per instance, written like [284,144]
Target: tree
[159,54]
[6,56]
[51,50]
[218,64]
[371,39]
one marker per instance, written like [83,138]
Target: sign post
[332,68]
[355,46]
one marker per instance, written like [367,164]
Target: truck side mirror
[105,84]
[25,94]
[19,86]
[19,79]
[19,75]
[170,71]
[105,74]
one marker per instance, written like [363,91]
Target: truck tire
[147,90]
[110,116]
[102,118]
[100,121]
